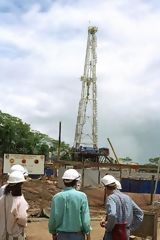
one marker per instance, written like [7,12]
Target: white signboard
[33,163]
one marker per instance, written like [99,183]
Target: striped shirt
[120,209]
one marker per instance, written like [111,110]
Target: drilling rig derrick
[85,140]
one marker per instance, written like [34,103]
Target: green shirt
[69,212]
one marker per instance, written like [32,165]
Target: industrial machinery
[86,141]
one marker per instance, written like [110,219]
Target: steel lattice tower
[86,127]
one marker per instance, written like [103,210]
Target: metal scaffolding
[86,127]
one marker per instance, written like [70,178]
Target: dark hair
[111,186]
[70,184]
[14,189]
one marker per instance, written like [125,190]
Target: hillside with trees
[18,137]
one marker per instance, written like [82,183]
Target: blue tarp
[48,171]
[139,186]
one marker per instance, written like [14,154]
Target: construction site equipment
[84,153]
[117,161]
[148,228]
[86,140]
[86,127]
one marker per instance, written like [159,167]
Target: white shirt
[2,190]
[16,215]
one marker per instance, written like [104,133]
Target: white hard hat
[70,175]
[16,177]
[20,168]
[107,180]
[118,184]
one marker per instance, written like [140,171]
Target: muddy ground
[39,192]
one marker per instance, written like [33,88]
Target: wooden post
[120,173]
[104,197]
[157,179]
[99,173]
[59,142]
[2,180]
[113,150]
[152,189]
[82,171]
[42,194]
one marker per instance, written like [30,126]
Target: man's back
[121,208]
[69,212]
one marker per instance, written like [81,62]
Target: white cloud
[42,58]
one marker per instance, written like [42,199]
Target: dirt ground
[39,230]
[39,192]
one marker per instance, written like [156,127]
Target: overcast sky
[42,53]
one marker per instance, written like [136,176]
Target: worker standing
[15,167]
[70,218]
[118,186]
[123,214]
[13,209]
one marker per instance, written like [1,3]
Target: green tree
[154,160]
[18,137]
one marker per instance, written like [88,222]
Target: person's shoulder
[117,194]
[81,193]
[23,201]
[58,195]
[2,198]
[126,197]
[111,197]
[121,194]
[4,185]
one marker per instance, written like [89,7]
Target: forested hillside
[18,137]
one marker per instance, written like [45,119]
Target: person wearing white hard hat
[19,167]
[123,214]
[118,184]
[15,167]
[13,214]
[70,217]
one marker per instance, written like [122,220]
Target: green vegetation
[18,137]
[154,160]
[125,160]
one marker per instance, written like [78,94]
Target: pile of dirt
[39,194]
